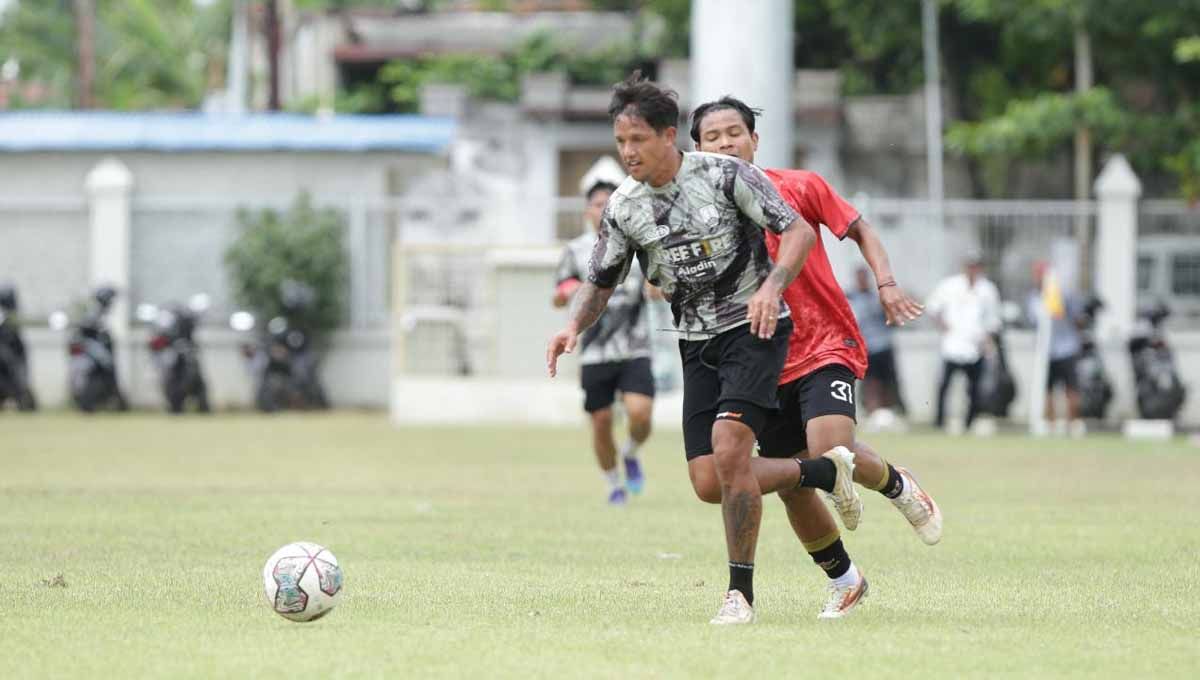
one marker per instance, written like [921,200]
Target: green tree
[150,54]
[1149,102]
[304,243]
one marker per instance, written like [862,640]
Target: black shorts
[1062,371]
[827,391]
[881,366]
[601,382]
[733,376]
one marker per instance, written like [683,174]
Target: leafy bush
[303,243]
[498,78]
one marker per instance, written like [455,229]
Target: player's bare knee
[602,419]
[731,455]
[708,490]
[702,472]
[639,426]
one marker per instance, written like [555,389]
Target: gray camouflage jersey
[699,238]
[622,332]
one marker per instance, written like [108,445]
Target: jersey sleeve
[758,199]
[567,269]
[612,254]
[833,210]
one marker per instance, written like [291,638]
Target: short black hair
[652,103]
[601,186]
[727,102]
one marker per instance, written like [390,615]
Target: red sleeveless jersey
[825,331]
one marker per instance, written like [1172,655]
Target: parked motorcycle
[1160,391]
[176,353]
[14,362]
[92,371]
[1095,388]
[282,359]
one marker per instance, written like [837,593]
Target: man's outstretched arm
[898,307]
[590,301]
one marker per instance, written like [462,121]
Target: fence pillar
[1115,266]
[109,185]
[360,267]
[760,70]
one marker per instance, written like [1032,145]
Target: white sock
[849,578]
[629,449]
[613,477]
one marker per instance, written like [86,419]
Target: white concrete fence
[159,249]
[468,322]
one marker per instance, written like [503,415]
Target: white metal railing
[927,241]
[177,242]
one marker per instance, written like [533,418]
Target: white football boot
[845,495]
[843,599]
[919,509]
[734,610]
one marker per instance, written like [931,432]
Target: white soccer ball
[302,581]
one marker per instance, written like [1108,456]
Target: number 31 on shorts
[842,390]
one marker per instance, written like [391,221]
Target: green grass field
[490,553]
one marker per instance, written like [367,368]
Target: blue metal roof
[120,131]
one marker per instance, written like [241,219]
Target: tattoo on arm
[590,301]
[781,276]
[797,241]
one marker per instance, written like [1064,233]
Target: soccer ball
[303,581]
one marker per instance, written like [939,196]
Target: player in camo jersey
[695,223]
[615,352]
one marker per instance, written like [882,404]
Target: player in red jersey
[826,353]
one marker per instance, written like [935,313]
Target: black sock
[894,484]
[833,559]
[817,473]
[741,579]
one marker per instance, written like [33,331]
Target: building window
[1185,274]
[1145,273]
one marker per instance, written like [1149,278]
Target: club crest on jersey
[660,232]
[709,215]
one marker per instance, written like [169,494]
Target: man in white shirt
[966,308]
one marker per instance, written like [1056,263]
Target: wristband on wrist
[885,284]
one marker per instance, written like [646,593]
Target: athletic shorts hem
[602,381]
[828,391]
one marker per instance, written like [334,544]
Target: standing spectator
[1065,342]
[966,308]
[881,386]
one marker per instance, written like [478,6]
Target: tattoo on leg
[742,511]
